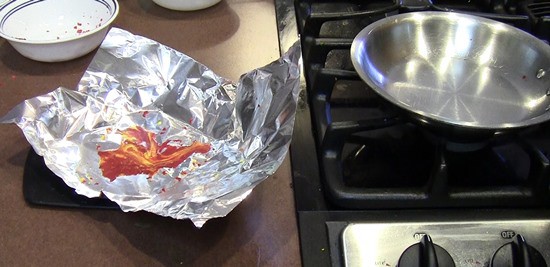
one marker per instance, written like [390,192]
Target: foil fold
[136,84]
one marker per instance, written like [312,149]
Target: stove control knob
[517,254]
[425,254]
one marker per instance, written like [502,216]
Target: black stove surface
[374,165]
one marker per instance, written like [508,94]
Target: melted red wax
[139,153]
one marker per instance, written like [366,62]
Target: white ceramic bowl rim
[112,5]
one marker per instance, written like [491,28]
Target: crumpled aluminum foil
[136,82]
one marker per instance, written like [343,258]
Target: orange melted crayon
[139,153]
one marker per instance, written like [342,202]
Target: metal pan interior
[457,69]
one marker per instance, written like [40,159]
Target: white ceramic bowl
[56,30]
[186,5]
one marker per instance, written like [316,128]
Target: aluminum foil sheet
[152,129]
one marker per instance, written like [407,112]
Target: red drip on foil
[139,153]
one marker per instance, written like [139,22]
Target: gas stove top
[361,171]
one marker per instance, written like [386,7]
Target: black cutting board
[42,187]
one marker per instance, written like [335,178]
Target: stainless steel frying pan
[456,70]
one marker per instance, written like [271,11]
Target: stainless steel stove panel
[469,243]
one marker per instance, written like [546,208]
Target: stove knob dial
[517,254]
[425,254]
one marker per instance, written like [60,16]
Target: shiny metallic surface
[470,243]
[457,69]
[541,73]
[134,81]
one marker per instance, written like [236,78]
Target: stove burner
[398,157]
[489,166]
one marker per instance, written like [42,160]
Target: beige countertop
[231,38]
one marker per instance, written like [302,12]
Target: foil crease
[134,81]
